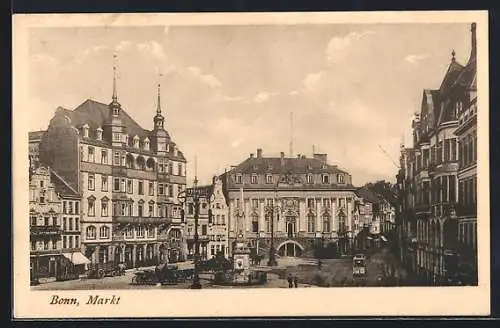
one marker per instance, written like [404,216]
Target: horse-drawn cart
[101,270]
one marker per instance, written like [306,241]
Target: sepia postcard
[251,165]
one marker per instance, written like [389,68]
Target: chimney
[282,157]
[320,157]
[259,153]
[251,155]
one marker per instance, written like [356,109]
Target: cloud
[123,45]
[263,96]
[312,80]
[152,48]
[414,59]
[207,79]
[337,49]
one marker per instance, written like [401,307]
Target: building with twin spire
[128,178]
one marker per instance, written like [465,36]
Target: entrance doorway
[290,249]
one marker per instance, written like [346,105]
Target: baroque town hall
[128,178]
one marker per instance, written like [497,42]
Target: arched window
[91,232]
[150,164]
[130,161]
[255,223]
[104,232]
[311,222]
[326,223]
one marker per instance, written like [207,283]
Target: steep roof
[95,114]
[62,187]
[454,70]
[368,195]
[293,165]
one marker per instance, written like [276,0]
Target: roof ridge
[64,181]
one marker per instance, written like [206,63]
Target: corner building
[129,179]
[439,176]
[310,201]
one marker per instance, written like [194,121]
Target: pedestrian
[296,282]
[319,264]
[290,281]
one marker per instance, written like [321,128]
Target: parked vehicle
[101,270]
[145,277]
[359,265]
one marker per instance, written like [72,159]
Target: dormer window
[146,143]
[340,178]
[254,179]
[99,133]
[85,130]
[136,141]
[325,179]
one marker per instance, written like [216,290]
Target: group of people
[292,281]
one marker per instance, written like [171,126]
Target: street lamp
[271,210]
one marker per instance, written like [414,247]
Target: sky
[228,90]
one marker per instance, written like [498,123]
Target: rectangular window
[70,208]
[170,191]
[452,182]
[309,178]
[70,224]
[77,241]
[140,232]
[140,187]
[179,169]
[104,208]
[255,226]
[269,178]
[325,179]
[70,241]
[238,179]
[116,158]
[116,184]
[123,185]
[151,232]
[311,203]
[104,183]
[91,154]
[326,203]
[77,224]
[255,203]
[64,223]
[212,250]
[151,189]
[64,207]
[140,209]
[151,210]
[447,150]
[160,189]
[129,186]
[204,229]
[254,179]
[65,243]
[91,181]
[340,178]
[129,232]
[91,209]
[104,157]
[453,149]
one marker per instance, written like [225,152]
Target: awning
[76,258]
